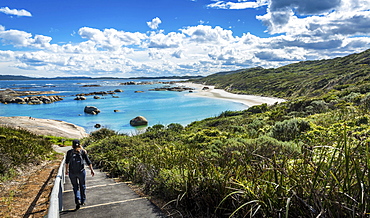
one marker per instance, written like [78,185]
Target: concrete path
[107,198]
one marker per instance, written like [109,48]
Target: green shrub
[365,102]
[230,113]
[257,109]
[175,127]
[318,106]
[352,97]
[288,130]
[99,135]
[156,127]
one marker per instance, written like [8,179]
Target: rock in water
[91,110]
[80,98]
[139,121]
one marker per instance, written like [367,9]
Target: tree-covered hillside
[307,78]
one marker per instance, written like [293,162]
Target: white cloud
[23,39]
[160,40]
[321,17]
[154,23]
[207,34]
[305,7]
[318,30]
[15,12]
[197,50]
[240,4]
[6,55]
[16,38]
[177,54]
[111,39]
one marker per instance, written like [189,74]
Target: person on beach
[75,168]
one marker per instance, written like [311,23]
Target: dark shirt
[83,154]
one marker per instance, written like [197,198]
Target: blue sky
[121,38]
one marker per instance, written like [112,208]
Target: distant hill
[12,77]
[306,78]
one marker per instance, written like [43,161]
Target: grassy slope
[20,148]
[306,78]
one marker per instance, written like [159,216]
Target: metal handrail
[56,197]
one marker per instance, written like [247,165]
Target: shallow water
[159,107]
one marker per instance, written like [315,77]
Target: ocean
[158,107]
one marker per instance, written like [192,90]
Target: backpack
[76,163]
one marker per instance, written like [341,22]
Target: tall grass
[213,168]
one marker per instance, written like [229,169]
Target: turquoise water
[159,107]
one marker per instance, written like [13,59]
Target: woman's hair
[76,145]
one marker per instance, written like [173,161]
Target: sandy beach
[211,92]
[45,126]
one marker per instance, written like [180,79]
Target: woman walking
[75,168]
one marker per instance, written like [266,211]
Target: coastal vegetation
[303,79]
[306,157]
[20,149]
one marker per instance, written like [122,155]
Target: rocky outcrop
[91,110]
[45,126]
[139,121]
[147,83]
[118,90]
[80,98]
[97,93]
[33,100]
[11,96]
[128,83]
[91,86]
[175,89]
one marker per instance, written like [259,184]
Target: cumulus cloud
[160,40]
[305,7]
[154,23]
[23,39]
[207,34]
[240,4]
[317,17]
[111,39]
[16,12]
[6,55]
[300,30]
[193,50]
